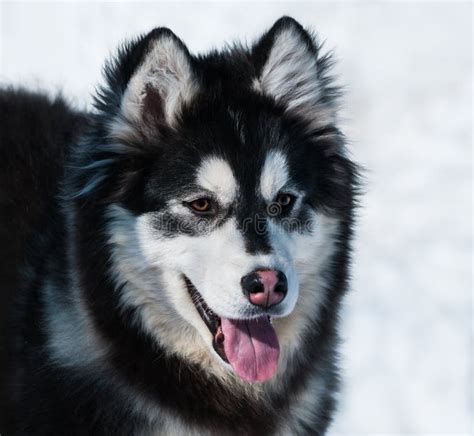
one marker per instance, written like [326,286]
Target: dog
[174,260]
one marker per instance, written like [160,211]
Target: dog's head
[226,183]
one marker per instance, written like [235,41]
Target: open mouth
[212,321]
[250,346]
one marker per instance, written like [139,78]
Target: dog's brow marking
[216,175]
[274,174]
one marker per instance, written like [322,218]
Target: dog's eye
[201,205]
[285,200]
[282,204]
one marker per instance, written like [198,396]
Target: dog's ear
[161,83]
[290,70]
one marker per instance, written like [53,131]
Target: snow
[407,68]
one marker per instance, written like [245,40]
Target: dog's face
[232,189]
[225,222]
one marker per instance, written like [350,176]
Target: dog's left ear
[290,70]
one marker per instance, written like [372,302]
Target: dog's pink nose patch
[269,296]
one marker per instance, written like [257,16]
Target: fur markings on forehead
[274,174]
[215,175]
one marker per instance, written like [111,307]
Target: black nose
[265,288]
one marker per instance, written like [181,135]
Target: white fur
[146,283]
[290,76]
[274,175]
[215,175]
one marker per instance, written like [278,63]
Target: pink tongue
[252,348]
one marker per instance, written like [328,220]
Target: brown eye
[285,200]
[201,205]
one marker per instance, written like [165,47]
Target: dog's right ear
[161,83]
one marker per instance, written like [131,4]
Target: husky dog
[175,259]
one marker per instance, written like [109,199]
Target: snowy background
[407,329]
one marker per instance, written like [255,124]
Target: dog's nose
[266,287]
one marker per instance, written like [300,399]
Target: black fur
[55,160]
